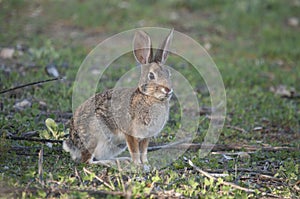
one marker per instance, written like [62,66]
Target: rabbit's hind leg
[106,153]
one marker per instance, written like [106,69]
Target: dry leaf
[22,104]
[283,91]
[7,53]
[258,128]
[293,21]
[207,46]
[227,157]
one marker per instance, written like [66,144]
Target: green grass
[253,46]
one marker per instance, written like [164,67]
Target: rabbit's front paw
[146,168]
[137,161]
[144,158]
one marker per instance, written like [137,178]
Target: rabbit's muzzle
[160,92]
[167,91]
[164,93]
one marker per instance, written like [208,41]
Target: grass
[254,48]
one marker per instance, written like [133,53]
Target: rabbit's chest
[151,120]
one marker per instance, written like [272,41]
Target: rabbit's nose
[167,90]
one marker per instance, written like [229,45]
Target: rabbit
[109,122]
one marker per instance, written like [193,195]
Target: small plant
[47,52]
[54,130]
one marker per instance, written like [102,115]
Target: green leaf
[52,127]
[45,134]
[42,193]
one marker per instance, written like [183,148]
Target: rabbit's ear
[162,53]
[142,47]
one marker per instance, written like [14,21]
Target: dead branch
[206,174]
[244,170]
[33,139]
[219,147]
[40,167]
[270,178]
[30,84]
[236,128]
[183,146]
[78,176]
[99,179]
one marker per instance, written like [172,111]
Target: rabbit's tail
[68,146]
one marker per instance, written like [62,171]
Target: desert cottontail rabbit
[105,124]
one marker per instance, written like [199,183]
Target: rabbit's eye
[151,76]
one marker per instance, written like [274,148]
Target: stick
[182,145]
[267,177]
[218,147]
[219,175]
[244,170]
[120,176]
[40,167]
[105,183]
[204,173]
[34,139]
[78,176]
[236,128]
[30,84]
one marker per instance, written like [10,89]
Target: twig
[28,148]
[291,96]
[33,139]
[236,128]
[40,166]
[219,147]
[105,183]
[30,84]
[267,177]
[244,170]
[219,175]
[181,145]
[230,153]
[204,173]
[120,176]
[78,176]
[176,145]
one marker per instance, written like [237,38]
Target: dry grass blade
[40,167]
[236,128]
[105,183]
[78,176]
[270,178]
[219,147]
[204,173]
[120,176]
[33,139]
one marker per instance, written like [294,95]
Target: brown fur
[104,124]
